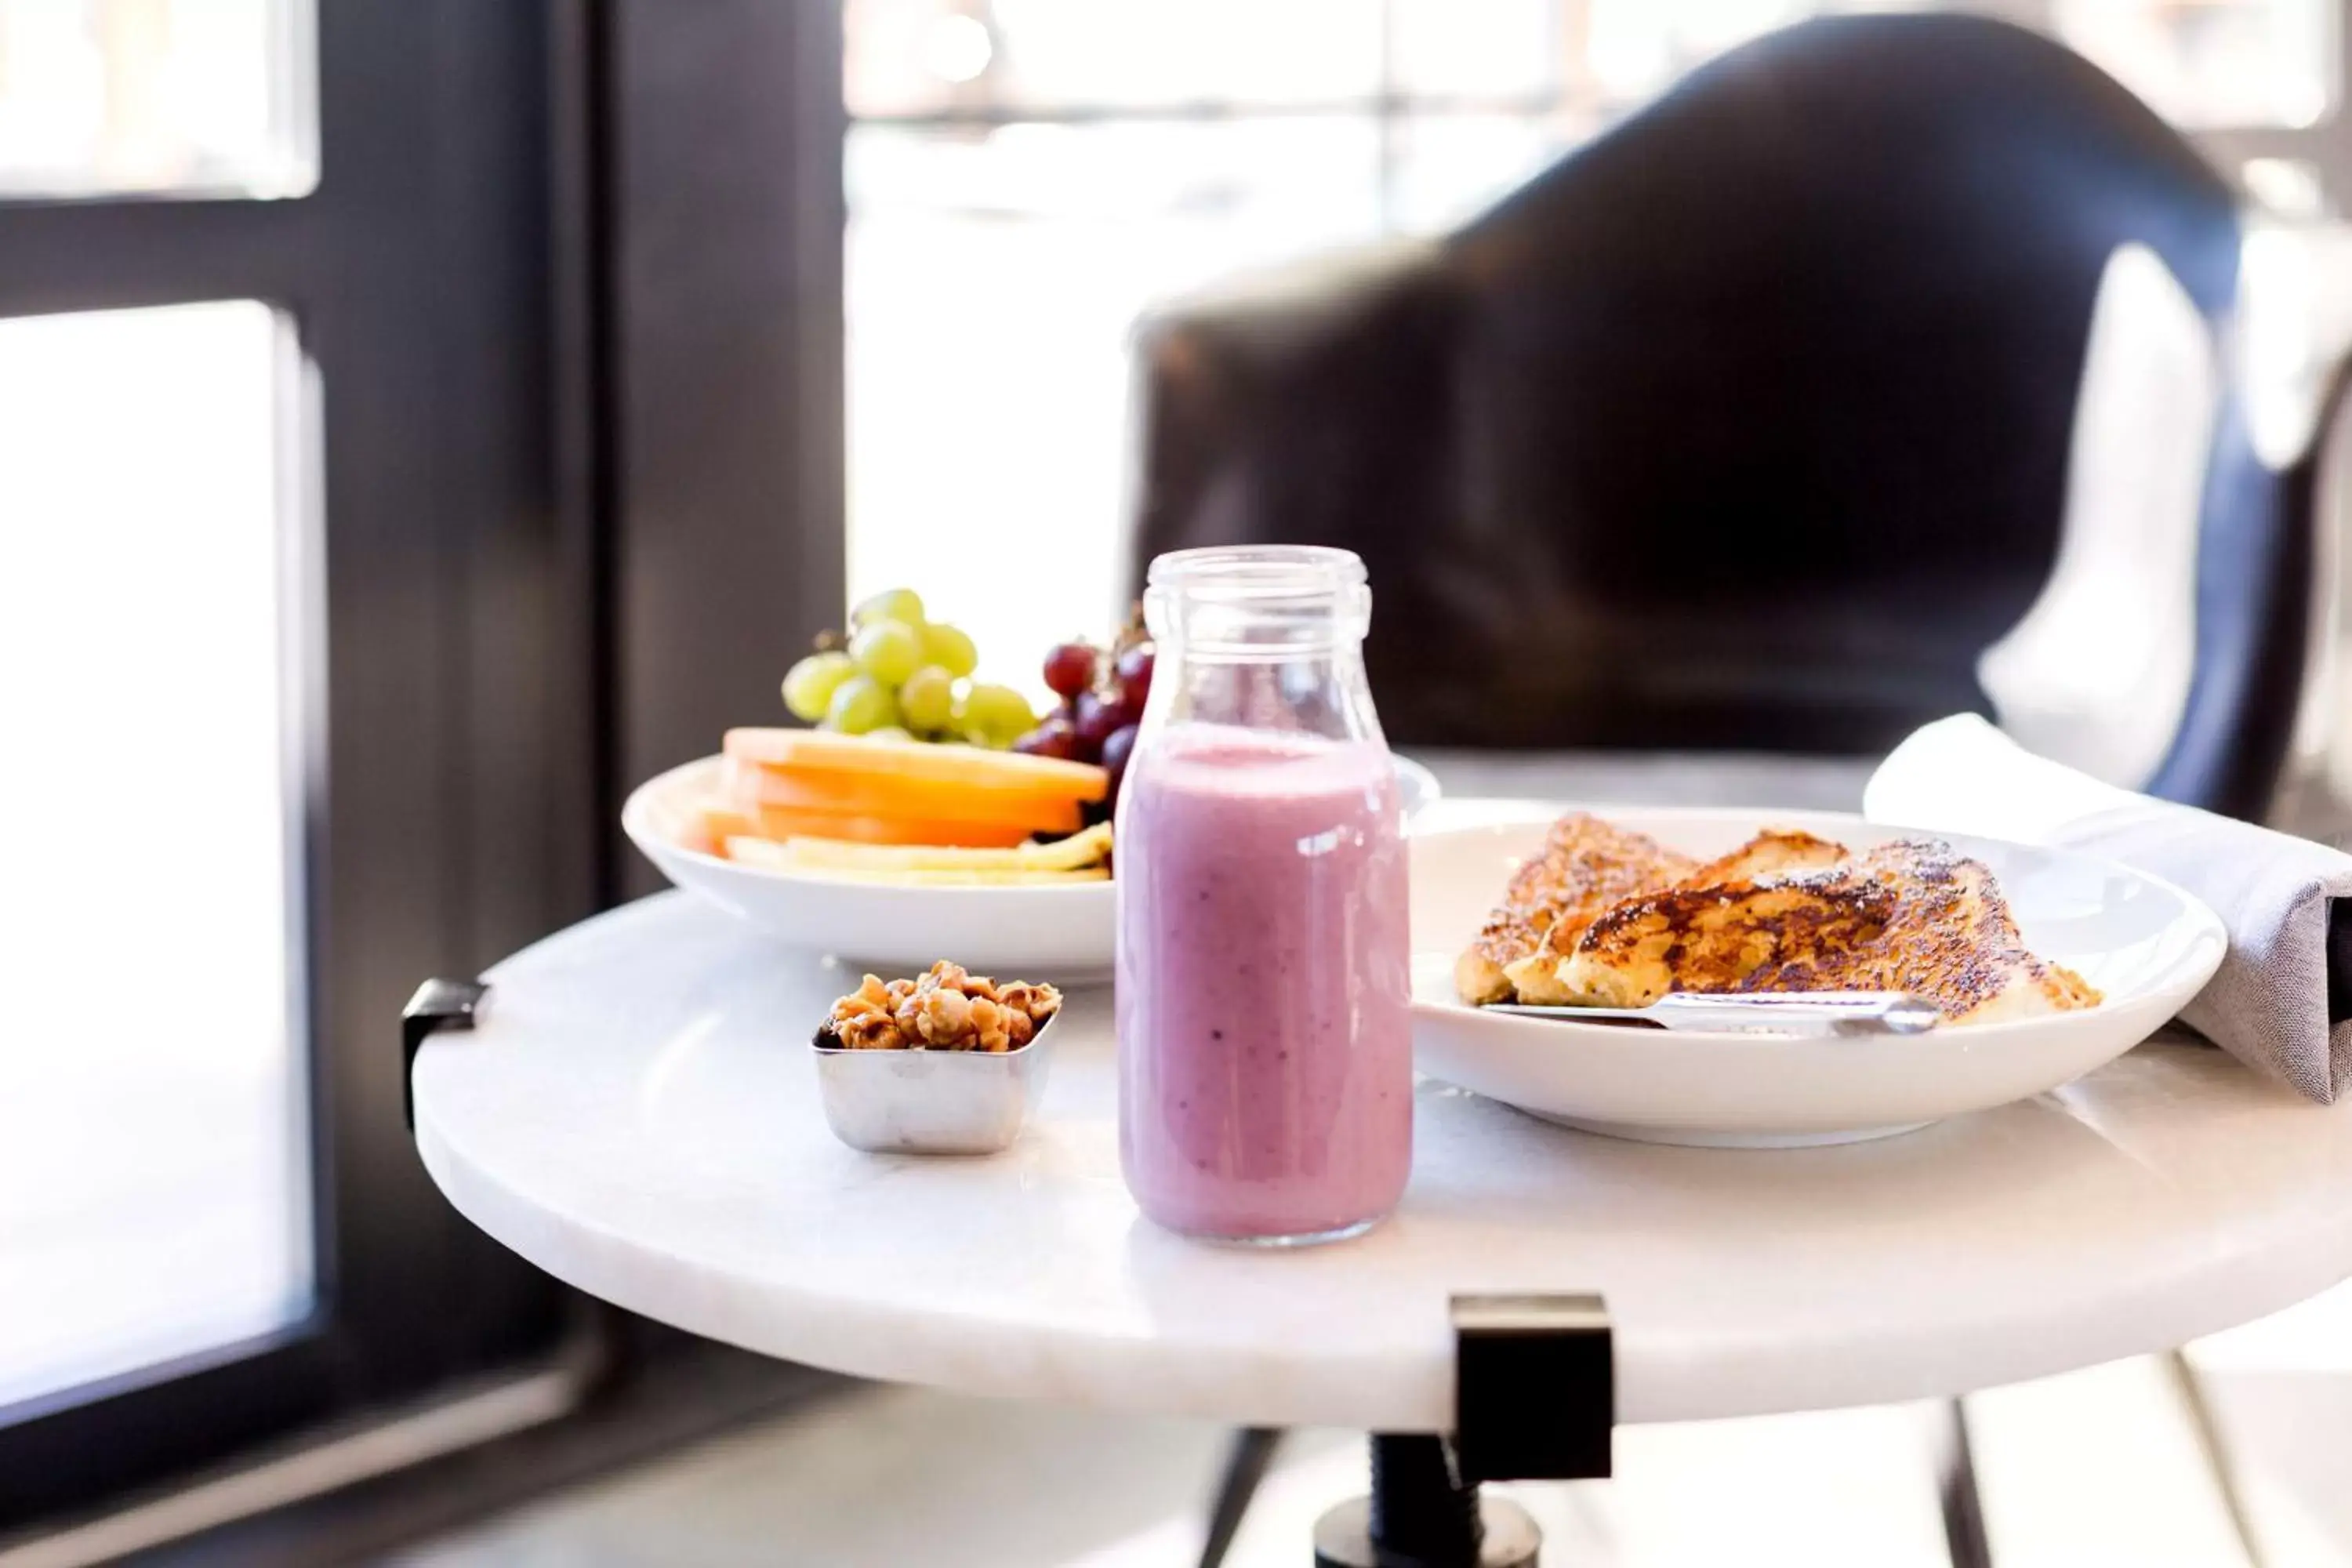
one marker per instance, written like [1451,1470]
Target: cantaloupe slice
[746,784]
[683,820]
[821,751]
[714,822]
[1082,851]
[772,856]
[722,820]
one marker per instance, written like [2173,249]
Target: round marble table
[637,1115]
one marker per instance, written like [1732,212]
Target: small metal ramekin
[931,1102]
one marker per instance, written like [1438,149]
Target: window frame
[724,416]
[450,725]
[2325,144]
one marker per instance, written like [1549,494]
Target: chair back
[1748,424]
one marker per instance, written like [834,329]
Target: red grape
[1126,702]
[1053,738]
[1134,672]
[1095,719]
[1070,669]
[1115,752]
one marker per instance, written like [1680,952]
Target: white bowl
[1055,932]
[2147,945]
[1060,933]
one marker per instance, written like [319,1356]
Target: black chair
[1747,424]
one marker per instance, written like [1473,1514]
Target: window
[1024,176]
[142,1138]
[186,97]
[292,654]
[2234,64]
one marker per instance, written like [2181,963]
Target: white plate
[1058,933]
[2147,944]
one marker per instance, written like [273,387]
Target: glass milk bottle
[1264,1042]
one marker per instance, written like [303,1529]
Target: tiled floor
[893,1476]
[2097,1469]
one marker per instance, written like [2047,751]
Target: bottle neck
[1266,637]
[1317,690]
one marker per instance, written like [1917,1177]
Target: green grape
[888,733]
[950,647]
[995,715]
[889,651]
[860,705]
[927,699]
[809,685]
[901,605]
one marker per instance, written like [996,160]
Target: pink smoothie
[1265,1045]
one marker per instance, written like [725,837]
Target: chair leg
[1247,1462]
[1964,1526]
[2215,1451]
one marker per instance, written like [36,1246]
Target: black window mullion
[116,254]
[727,421]
[448,808]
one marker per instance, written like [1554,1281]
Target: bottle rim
[1243,574]
[1258,603]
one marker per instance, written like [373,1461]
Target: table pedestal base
[1419,1516]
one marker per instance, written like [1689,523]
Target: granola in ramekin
[945,1010]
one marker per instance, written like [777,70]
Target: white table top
[638,1116]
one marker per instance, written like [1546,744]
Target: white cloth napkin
[2270,1005]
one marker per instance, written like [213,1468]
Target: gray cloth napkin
[2272,1004]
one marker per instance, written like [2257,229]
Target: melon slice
[715,821]
[746,785]
[723,820]
[1084,851]
[771,856]
[821,750]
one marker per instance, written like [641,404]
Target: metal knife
[1772,1012]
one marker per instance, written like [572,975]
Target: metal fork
[1775,1012]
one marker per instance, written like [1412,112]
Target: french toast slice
[1775,852]
[1912,915]
[1586,866]
[1535,978]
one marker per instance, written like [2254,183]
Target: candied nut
[871,1032]
[869,1001]
[946,1008]
[942,1016]
[1038,1002]
[988,1021]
